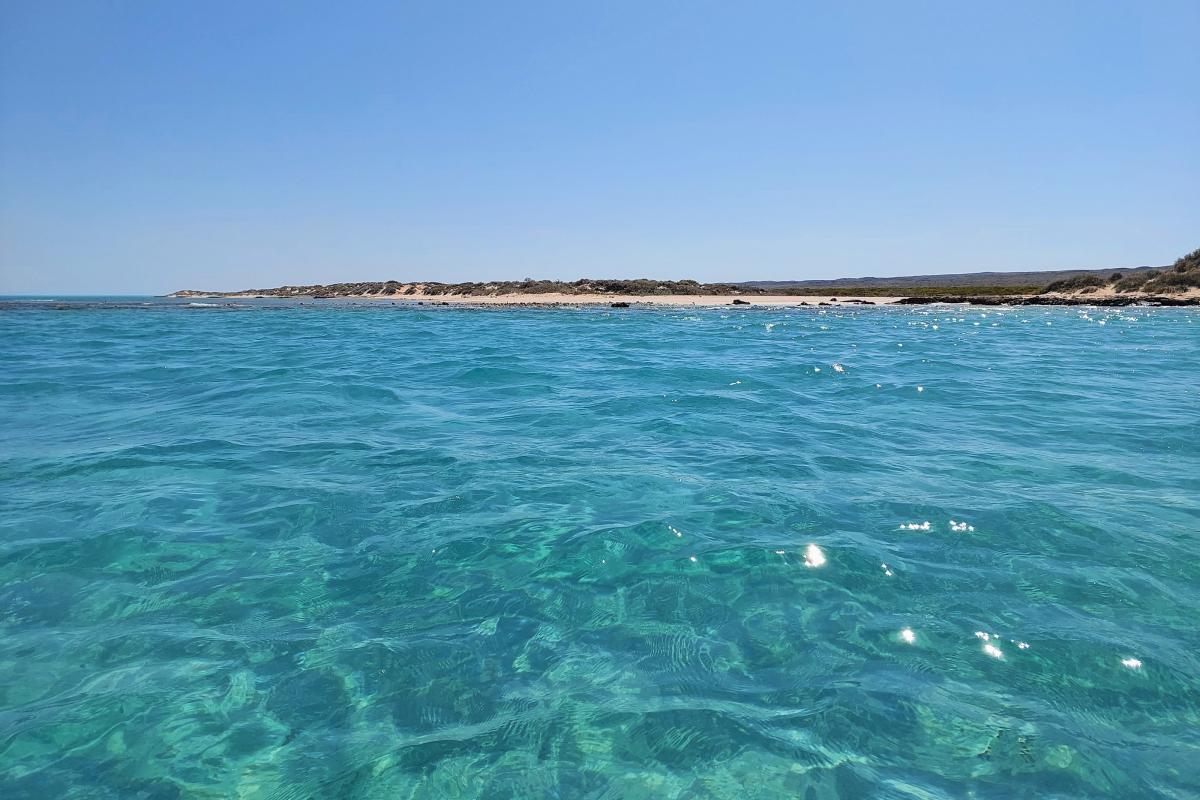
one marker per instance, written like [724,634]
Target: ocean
[259,549]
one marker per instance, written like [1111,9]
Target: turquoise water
[266,550]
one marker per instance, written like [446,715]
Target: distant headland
[1178,284]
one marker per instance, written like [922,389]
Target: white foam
[1131,663]
[814,556]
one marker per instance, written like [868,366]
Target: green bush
[1174,281]
[1134,283]
[1189,263]
[1074,283]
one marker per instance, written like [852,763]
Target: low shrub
[1075,283]
[1134,282]
[1173,281]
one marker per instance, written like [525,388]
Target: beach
[652,300]
[563,299]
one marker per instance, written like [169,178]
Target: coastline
[561,299]
[1178,285]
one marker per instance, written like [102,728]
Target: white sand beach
[560,299]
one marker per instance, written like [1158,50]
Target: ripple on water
[265,550]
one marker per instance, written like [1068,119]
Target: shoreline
[1178,285]
[551,300]
[560,299]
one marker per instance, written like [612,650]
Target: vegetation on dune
[1079,282]
[1184,274]
[638,287]
[634,286]
[644,287]
[1133,283]
[921,291]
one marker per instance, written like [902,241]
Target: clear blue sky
[151,146]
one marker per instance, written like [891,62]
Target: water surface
[270,550]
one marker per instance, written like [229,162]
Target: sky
[148,146]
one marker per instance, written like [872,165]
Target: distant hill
[957,280]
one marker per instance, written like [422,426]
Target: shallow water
[264,550]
